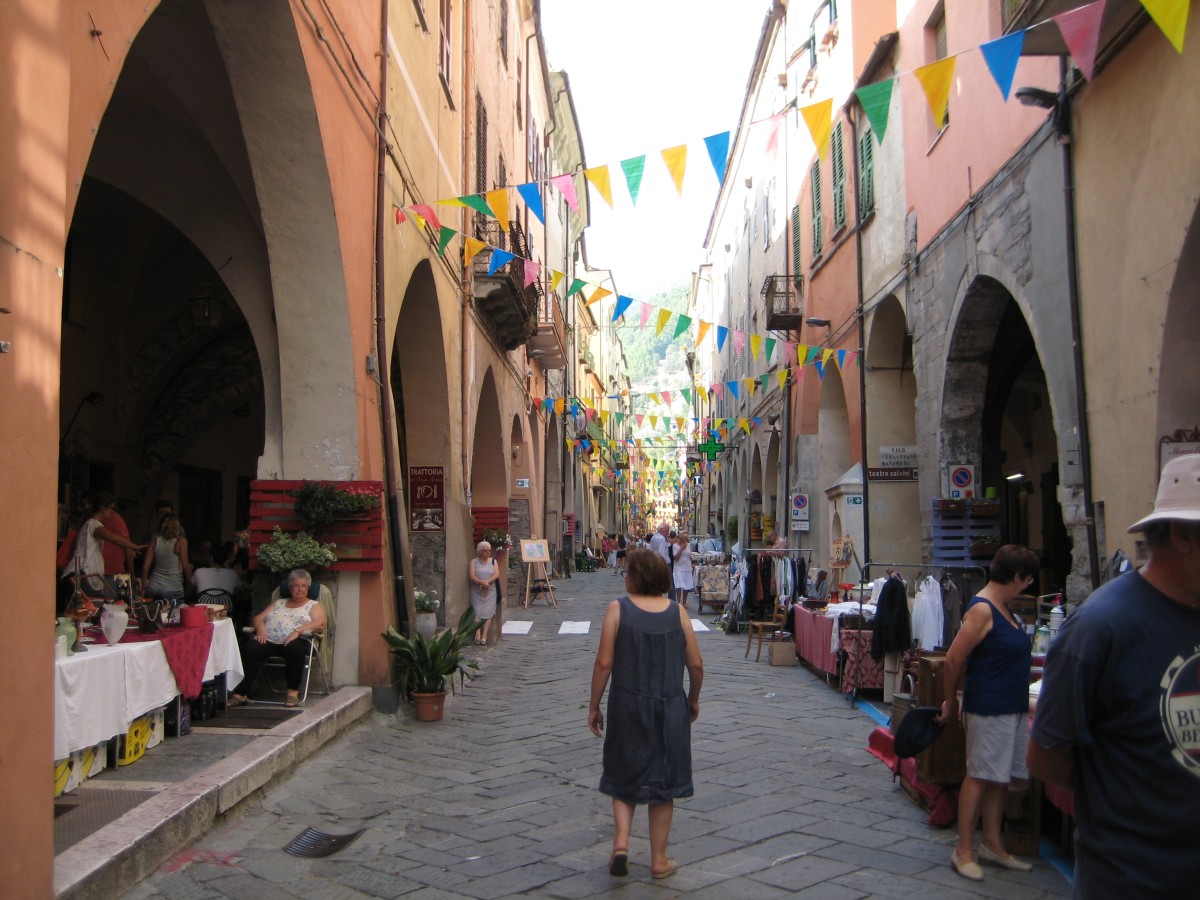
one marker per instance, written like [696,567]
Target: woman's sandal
[235,701]
[291,702]
[668,871]
[618,863]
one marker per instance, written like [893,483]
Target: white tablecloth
[98,694]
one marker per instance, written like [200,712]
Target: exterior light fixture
[1017,474]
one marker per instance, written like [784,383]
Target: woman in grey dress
[646,643]
[483,573]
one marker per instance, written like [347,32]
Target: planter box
[985,508]
[984,549]
[359,539]
[950,506]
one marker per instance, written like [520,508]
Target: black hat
[917,731]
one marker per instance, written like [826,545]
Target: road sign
[799,508]
[854,500]
[962,482]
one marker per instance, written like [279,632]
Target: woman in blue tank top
[994,651]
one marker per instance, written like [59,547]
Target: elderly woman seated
[282,629]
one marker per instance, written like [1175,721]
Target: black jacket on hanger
[892,629]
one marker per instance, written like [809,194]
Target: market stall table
[98,694]
[814,640]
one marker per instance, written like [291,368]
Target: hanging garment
[928,615]
[892,629]
[951,608]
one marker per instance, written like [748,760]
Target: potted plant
[731,529]
[984,546]
[423,667]
[426,605]
[318,503]
[285,552]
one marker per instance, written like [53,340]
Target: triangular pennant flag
[653,421]
[791,349]
[769,348]
[749,384]
[744,424]
[597,295]
[531,271]
[664,316]
[739,341]
[687,395]
[826,357]
[560,406]
[765,380]
[755,345]
[1001,56]
[813,353]
[577,284]
[876,101]
[774,126]
[499,258]
[936,80]
[637,417]
[820,367]
[471,248]
[733,389]
[682,325]
[444,238]
[841,358]
[666,397]
[556,278]
[676,160]
[623,303]
[1081,33]
[782,375]
[566,185]
[819,119]
[719,390]
[646,307]
[801,352]
[498,201]
[477,203]
[425,211]
[718,153]
[1171,16]
[531,193]
[633,169]
[701,331]
[722,333]
[601,181]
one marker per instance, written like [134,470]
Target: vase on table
[113,621]
[426,624]
[65,628]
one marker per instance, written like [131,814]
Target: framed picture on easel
[534,550]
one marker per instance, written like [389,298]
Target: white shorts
[996,746]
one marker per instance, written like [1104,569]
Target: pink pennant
[666,397]
[566,184]
[531,272]
[425,211]
[646,307]
[773,135]
[739,340]
[1081,31]
[719,389]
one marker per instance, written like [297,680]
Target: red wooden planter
[359,540]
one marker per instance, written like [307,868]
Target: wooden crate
[1023,820]
[952,536]
[946,761]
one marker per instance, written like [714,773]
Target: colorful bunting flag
[769,348]
[499,258]
[598,295]
[577,284]
[425,211]
[664,316]
[472,247]
[1081,33]
[819,119]
[676,160]
[623,303]
[444,236]
[531,193]
[477,203]
[498,201]
[739,341]
[722,333]
[936,80]
[718,153]
[556,278]
[531,272]
[876,101]
[633,169]
[1001,56]
[701,332]
[682,325]
[1171,16]
[600,180]
[566,186]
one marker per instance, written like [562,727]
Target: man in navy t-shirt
[1118,718]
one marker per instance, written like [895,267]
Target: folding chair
[279,665]
[215,596]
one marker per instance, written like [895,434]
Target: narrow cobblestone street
[500,798]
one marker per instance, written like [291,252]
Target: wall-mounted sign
[892,473]
[1179,443]
[898,457]
[427,498]
[522,482]
[800,509]
[961,482]
[854,500]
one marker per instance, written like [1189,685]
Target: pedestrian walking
[646,642]
[1117,718]
[995,652]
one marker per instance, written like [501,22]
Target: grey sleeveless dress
[648,738]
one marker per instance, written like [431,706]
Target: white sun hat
[1178,493]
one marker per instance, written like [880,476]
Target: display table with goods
[820,641]
[98,694]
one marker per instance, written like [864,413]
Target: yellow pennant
[676,160]
[1171,16]
[782,375]
[826,356]
[601,182]
[556,278]
[560,405]
[653,421]
[748,384]
[664,316]
[497,201]
[604,421]
[702,331]
[819,119]
[755,345]
[936,80]
[801,353]
[597,295]
[744,424]
[471,248]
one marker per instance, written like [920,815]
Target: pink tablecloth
[861,670]
[814,635]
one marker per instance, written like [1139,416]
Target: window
[936,29]
[504,31]
[520,120]
[444,48]
[838,159]
[419,5]
[817,241]
[812,47]
[481,149]
[866,174]
[795,242]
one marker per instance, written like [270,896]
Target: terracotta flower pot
[429,707]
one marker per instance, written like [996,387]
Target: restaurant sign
[427,498]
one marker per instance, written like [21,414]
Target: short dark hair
[103,500]
[1012,561]
[647,572]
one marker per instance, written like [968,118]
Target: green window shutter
[817,242]
[866,174]
[839,178]
[795,241]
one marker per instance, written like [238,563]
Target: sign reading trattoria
[427,498]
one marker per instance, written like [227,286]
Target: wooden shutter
[866,174]
[817,242]
[839,178]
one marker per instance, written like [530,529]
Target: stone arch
[755,499]
[553,481]
[1177,400]
[489,470]
[775,489]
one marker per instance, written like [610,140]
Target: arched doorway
[489,469]
[835,457]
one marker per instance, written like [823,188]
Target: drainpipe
[1062,113]
[862,338]
[397,533]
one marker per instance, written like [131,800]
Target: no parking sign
[961,482]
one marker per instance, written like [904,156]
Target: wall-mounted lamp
[207,308]
[817,323]
[1056,103]
[1017,474]
[90,399]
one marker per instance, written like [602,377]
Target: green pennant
[876,100]
[477,203]
[768,347]
[633,169]
[681,326]
[577,284]
[765,378]
[444,238]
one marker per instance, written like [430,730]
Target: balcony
[548,344]
[782,301]
[508,308]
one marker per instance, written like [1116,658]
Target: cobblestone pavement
[500,798]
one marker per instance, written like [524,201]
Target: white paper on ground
[516,627]
[575,628]
[697,625]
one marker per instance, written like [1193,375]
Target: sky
[646,75]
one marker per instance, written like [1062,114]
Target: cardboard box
[782,653]
[82,764]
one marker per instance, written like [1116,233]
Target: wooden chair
[760,628]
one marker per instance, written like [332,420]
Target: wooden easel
[535,555]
